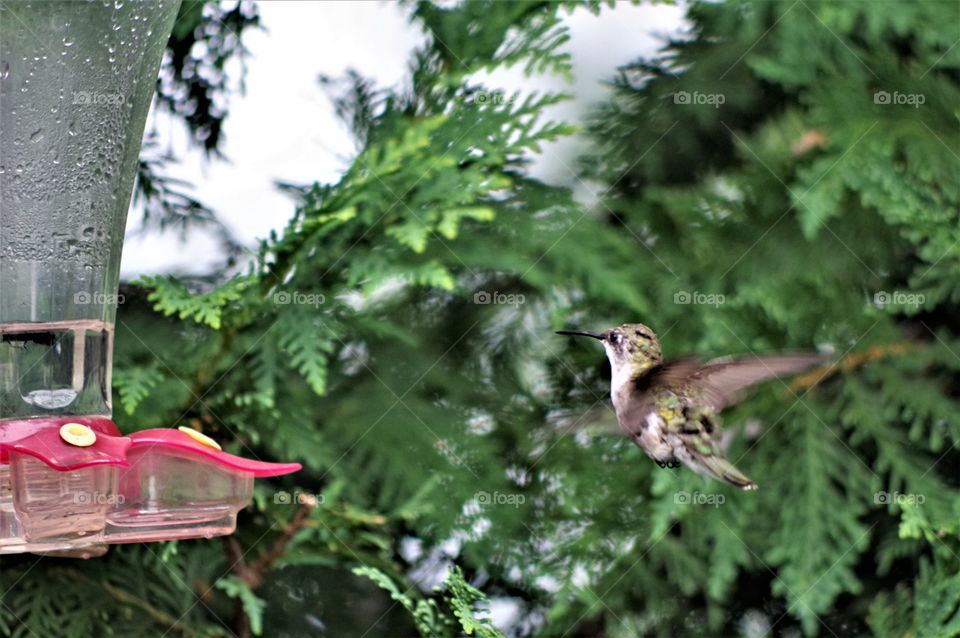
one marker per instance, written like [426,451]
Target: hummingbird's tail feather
[720,468]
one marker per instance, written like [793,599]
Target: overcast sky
[284,127]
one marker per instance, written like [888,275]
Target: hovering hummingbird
[670,409]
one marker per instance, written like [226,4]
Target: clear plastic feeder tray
[172,493]
[61,505]
[13,539]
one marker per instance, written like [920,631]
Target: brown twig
[161,617]
[125,597]
[297,523]
[253,573]
[849,363]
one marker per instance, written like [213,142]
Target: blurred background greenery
[784,176]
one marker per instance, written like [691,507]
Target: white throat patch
[620,375]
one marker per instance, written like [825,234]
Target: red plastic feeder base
[71,485]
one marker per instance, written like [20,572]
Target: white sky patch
[284,127]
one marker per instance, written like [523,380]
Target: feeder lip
[168,438]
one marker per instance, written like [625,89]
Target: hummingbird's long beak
[580,333]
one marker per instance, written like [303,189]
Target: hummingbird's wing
[683,403]
[721,382]
[674,406]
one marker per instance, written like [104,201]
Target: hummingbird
[670,409]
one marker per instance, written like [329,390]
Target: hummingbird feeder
[76,81]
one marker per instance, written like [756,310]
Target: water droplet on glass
[67,41]
[4,70]
[37,135]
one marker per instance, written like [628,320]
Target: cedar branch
[849,363]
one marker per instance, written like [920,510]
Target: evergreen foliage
[397,338]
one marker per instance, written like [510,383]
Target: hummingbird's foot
[672,464]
